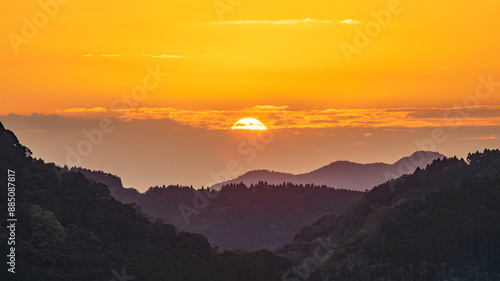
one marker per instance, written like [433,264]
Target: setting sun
[248,124]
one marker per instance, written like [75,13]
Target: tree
[401,272]
[411,272]
[424,264]
[338,277]
[47,230]
[356,273]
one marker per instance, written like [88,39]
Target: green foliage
[46,230]
[72,229]
[445,214]
[338,277]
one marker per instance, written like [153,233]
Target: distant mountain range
[237,216]
[441,221]
[70,228]
[259,223]
[343,174]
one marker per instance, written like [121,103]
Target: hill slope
[343,174]
[70,228]
[254,217]
[237,217]
[113,182]
[439,221]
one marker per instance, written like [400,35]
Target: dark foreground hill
[238,216]
[241,217]
[70,228]
[441,223]
[343,174]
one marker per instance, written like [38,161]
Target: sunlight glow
[248,124]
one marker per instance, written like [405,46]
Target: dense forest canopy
[238,216]
[71,228]
[441,222]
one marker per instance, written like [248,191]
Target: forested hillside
[70,228]
[439,223]
[238,216]
[253,217]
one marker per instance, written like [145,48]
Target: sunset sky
[206,64]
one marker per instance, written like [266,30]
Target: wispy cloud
[85,110]
[30,131]
[284,117]
[294,22]
[141,56]
[279,22]
[492,137]
[270,107]
[350,21]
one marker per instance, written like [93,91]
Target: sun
[248,124]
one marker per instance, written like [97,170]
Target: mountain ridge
[164,201]
[334,174]
[438,220]
[70,228]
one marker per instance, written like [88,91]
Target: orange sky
[355,80]
[261,53]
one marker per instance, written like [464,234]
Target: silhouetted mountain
[443,220]
[113,182]
[254,217]
[70,228]
[237,217]
[344,174]
[259,224]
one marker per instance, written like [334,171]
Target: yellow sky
[87,54]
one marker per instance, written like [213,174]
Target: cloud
[138,56]
[52,122]
[81,109]
[322,121]
[166,56]
[492,137]
[486,111]
[279,22]
[283,117]
[270,107]
[30,131]
[350,21]
[296,22]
